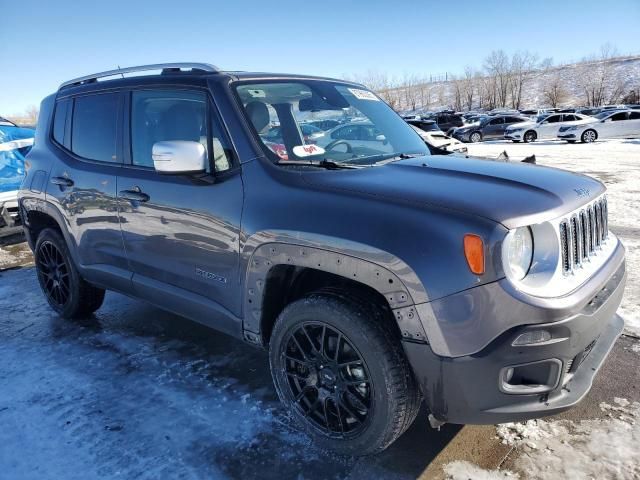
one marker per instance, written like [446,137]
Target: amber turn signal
[474,252]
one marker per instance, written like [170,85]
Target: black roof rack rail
[164,67]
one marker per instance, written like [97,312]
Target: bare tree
[497,65]
[523,65]
[596,76]
[458,85]
[554,90]
[468,88]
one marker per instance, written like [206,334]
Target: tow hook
[434,422]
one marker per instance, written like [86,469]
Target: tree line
[516,81]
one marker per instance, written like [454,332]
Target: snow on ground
[604,448]
[617,164]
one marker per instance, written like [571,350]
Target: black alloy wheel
[327,378]
[54,274]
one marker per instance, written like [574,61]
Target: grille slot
[583,234]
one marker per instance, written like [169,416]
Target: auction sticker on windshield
[307,150]
[363,94]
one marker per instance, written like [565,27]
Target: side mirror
[381,138]
[179,156]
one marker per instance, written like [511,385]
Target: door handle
[134,196]
[62,181]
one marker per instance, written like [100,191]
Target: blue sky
[45,43]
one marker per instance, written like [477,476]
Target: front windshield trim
[311,82]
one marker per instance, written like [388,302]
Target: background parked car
[309,132]
[544,127]
[440,140]
[324,124]
[447,121]
[15,143]
[608,124]
[356,135]
[490,127]
[425,125]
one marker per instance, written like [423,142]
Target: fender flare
[389,276]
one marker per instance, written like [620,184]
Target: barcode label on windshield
[363,94]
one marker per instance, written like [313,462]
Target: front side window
[497,121]
[173,115]
[354,126]
[94,127]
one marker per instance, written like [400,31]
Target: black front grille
[583,233]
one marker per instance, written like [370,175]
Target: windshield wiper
[391,157]
[324,163]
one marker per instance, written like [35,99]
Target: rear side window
[60,120]
[94,127]
[634,116]
[497,121]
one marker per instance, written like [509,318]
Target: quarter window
[634,115]
[94,126]
[60,120]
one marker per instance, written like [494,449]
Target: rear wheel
[475,137]
[530,136]
[339,368]
[589,136]
[65,290]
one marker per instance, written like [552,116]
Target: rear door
[83,181]
[181,233]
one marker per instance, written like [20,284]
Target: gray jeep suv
[375,274]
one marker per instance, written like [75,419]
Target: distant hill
[611,79]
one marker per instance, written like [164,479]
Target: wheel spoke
[297,375]
[313,345]
[343,404]
[322,349]
[294,359]
[293,336]
[337,354]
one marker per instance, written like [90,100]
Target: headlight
[511,130]
[573,127]
[517,252]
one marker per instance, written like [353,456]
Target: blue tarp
[12,152]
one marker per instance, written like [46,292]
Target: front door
[181,233]
[494,129]
[549,127]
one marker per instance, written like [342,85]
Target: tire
[63,287]
[475,137]
[529,136]
[589,136]
[372,414]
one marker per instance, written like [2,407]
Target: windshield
[603,114]
[312,121]
[541,117]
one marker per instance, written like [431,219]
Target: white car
[545,126]
[608,124]
[439,139]
[355,134]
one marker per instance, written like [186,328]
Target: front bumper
[467,389]
[513,135]
[567,136]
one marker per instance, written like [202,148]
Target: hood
[513,194]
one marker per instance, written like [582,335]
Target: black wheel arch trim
[389,276]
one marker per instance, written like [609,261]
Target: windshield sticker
[363,94]
[257,93]
[301,151]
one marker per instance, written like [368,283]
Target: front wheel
[338,366]
[530,136]
[65,290]
[475,137]
[589,136]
